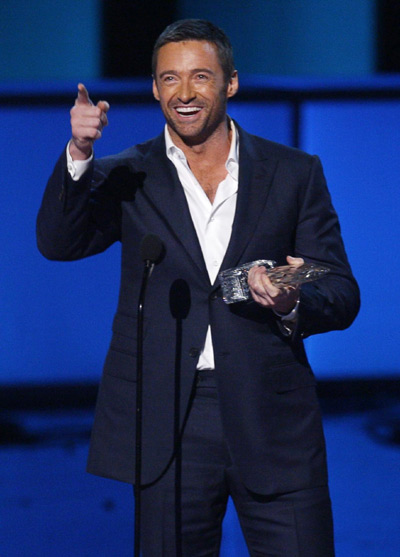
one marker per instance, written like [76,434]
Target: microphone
[151,249]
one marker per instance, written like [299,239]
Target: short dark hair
[197,30]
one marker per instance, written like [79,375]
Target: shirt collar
[232,162]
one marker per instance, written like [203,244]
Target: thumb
[104,106]
[83,95]
[296,261]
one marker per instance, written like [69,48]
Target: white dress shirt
[212,221]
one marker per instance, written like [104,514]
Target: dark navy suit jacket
[267,394]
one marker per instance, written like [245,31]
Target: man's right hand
[87,123]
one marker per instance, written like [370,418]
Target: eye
[169,78]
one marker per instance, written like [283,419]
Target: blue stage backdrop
[56,317]
[358,142]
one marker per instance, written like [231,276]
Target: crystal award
[234,281]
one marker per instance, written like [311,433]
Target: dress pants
[182,513]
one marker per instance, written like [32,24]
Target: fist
[87,123]
[280,299]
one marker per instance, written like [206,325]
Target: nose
[186,92]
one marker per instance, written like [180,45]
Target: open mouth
[187,111]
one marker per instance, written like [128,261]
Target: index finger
[257,270]
[83,95]
[259,279]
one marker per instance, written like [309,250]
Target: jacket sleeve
[77,218]
[333,301]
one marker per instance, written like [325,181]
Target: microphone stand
[139,404]
[179,302]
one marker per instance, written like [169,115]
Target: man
[218,197]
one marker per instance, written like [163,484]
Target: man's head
[198,30]
[193,78]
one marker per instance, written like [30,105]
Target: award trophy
[234,281]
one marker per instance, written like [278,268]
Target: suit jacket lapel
[166,194]
[256,173]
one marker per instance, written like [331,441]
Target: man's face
[192,89]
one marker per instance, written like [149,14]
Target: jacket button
[194,352]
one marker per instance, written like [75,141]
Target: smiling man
[193,90]
[249,419]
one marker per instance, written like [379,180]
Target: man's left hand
[282,299]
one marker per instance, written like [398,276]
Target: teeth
[187,109]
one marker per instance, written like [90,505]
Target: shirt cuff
[288,321]
[292,316]
[77,169]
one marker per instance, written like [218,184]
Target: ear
[155,90]
[233,85]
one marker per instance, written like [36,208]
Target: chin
[185,132]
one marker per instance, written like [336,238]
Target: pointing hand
[87,123]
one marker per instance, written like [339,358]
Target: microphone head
[151,248]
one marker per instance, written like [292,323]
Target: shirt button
[215,263]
